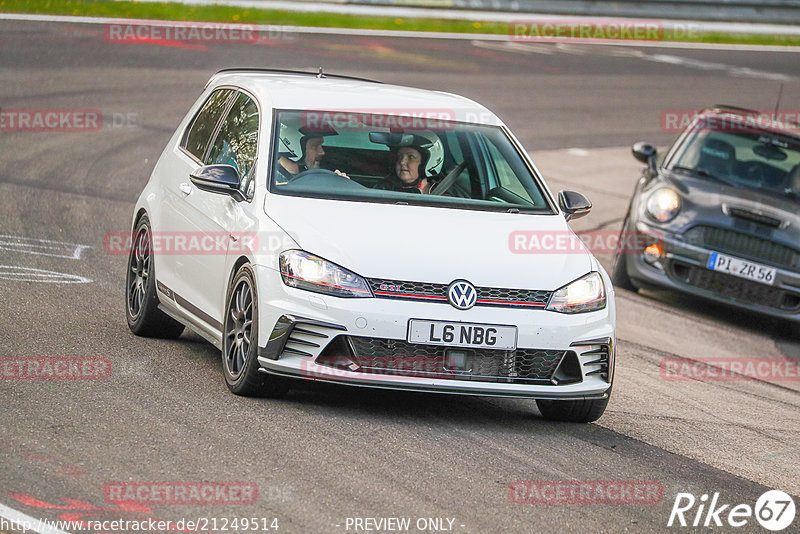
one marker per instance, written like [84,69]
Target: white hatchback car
[338,229]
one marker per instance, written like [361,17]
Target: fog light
[652,253]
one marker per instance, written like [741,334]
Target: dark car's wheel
[619,272]
[141,301]
[574,411]
[240,341]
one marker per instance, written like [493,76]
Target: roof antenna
[777,104]
[321,74]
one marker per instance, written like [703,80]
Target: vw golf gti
[359,233]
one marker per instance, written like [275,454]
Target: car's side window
[504,173]
[197,137]
[237,140]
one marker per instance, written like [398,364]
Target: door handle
[185,188]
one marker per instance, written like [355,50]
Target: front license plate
[479,336]
[741,268]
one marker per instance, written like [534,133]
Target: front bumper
[316,337]
[683,268]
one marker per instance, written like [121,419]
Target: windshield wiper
[704,173]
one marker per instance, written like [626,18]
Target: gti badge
[462,295]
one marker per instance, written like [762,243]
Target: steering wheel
[448,181]
[309,173]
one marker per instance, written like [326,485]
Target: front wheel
[240,341]
[573,411]
[619,272]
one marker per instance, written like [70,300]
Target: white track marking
[32,525]
[732,70]
[578,152]
[17,273]
[42,247]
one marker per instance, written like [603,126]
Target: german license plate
[479,336]
[741,268]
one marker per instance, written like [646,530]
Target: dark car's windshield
[401,160]
[763,161]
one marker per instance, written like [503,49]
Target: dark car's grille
[394,357]
[735,288]
[487,296]
[755,248]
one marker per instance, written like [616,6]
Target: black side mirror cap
[646,153]
[222,179]
[573,204]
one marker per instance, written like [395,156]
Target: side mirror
[646,153]
[574,205]
[222,179]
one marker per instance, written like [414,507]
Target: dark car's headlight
[305,271]
[583,295]
[663,204]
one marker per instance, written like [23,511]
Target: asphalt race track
[325,453]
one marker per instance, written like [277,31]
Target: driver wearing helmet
[311,155]
[311,151]
[409,174]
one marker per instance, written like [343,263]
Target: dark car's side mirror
[646,153]
[573,204]
[222,179]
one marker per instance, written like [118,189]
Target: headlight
[663,204]
[305,271]
[583,295]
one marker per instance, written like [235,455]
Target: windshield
[763,161]
[401,160]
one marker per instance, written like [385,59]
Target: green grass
[217,13]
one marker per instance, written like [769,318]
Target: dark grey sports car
[718,215]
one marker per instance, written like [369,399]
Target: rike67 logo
[774,510]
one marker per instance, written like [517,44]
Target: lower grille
[748,246]
[735,288]
[400,358]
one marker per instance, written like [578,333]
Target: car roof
[298,90]
[775,121]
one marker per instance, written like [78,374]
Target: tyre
[574,411]
[619,272]
[240,341]
[141,302]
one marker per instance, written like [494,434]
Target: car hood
[437,245]
[710,202]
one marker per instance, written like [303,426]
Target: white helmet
[431,143]
[293,137]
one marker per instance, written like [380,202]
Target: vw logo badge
[462,295]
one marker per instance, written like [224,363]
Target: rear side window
[197,137]
[237,140]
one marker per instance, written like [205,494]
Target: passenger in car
[793,181]
[408,175]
